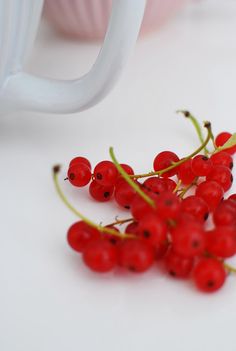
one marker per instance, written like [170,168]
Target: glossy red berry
[78,160]
[178,266]
[185,173]
[211,192]
[188,240]
[140,208]
[79,174]
[232,197]
[163,160]
[209,275]
[170,184]
[132,228]
[201,165]
[221,241]
[222,176]
[168,205]
[221,140]
[100,256]
[129,170]
[222,158]
[105,173]
[195,206]
[153,230]
[225,213]
[135,255]
[124,194]
[80,234]
[155,184]
[99,192]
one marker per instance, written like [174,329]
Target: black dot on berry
[113,241]
[168,202]
[231,165]
[72,176]
[210,283]
[146,234]
[157,192]
[195,243]
[132,268]
[204,158]
[172,273]
[127,207]
[106,194]
[206,215]
[99,176]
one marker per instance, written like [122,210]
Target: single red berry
[155,184]
[79,174]
[170,184]
[222,158]
[221,139]
[140,208]
[211,192]
[185,173]
[188,240]
[135,255]
[124,194]
[99,192]
[201,165]
[163,160]
[153,230]
[113,239]
[132,228]
[232,197]
[221,241]
[80,159]
[105,173]
[209,275]
[161,250]
[100,256]
[178,266]
[222,176]
[80,234]
[195,206]
[168,205]
[129,170]
[225,213]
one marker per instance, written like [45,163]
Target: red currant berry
[79,174]
[132,228]
[185,173]
[209,275]
[221,140]
[222,176]
[168,206]
[113,239]
[225,213]
[211,192]
[155,184]
[195,206]
[100,256]
[140,208]
[163,160]
[105,173]
[124,194]
[129,170]
[178,266]
[188,240]
[153,229]
[80,234]
[135,255]
[221,241]
[201,165]
[170,184]
[232,197]
[80,159]
[222,158]
[99,192]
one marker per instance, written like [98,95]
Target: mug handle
[29,92]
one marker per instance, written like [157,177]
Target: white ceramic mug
[19,90]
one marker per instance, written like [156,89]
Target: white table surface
[48,300]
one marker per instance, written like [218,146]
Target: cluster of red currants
[191,234]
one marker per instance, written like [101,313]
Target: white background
[48,299]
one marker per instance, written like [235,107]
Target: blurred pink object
[88,19]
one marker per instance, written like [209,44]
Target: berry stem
[176,164]
[177,188]
[229,268]
[121,221]
[187,188]
[229,143]
[130,181]
[56,170]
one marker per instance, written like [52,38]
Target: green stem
[121,221]
[176,164]
[229,268]
[130,181]
[187,188]
[100,228]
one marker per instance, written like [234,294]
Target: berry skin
[221,140]
[232,197]
[105,173]
[225,213]
[211,192]
[113,239]
[153,230]
[159,185]
[129,170]
[222,176]
[170,184]
[79,174]
[195,206]
[124,194]
[178,266]
[80,159]
[80,234]
[100,256]
[132,228]
[201,165]
[140,208]
[99,192]
[135,255]
[163,160]
[221,241]
[168,206]
[222,158]
[185,173]
[188,240]
[209,275]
